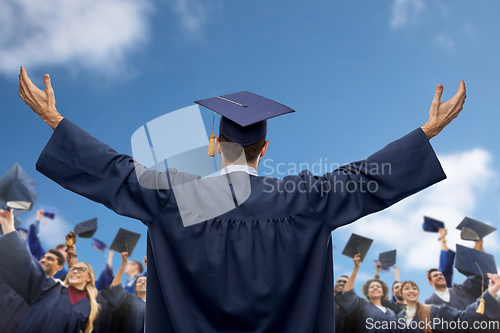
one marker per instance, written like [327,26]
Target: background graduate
[130,308]
[53,308]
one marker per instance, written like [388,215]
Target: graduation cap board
[432,225]
[86,229]
[474,230]
[388,258]
[17,189]
[474,262]
[50,212]
[244,115]
[357,244]
[98,245]
[125,241]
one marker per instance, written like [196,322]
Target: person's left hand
[42,102]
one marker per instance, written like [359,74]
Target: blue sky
[360,74]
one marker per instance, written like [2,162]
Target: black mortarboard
[388,258]
[17,189]
[467,261]
[432,225]
[244,115]
[86,229]
[125,241]
[357,244]
[50,212]
[474,230]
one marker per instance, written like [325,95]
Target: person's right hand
[7,219]
[357,260]
[39,214]
[442,113]
[494,283]
[124,256]
[42,102]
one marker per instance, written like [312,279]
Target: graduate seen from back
[264,264]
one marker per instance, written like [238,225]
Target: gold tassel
[476,246]
[211,146]
[480,308]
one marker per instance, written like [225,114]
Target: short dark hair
[233,152]
[385,289]
[61,246]
[141,268]
[346,276]
[430,272]
[60,258]
[392,288]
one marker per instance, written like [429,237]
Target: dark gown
[50,309]
[12,308]
[105,278]
[131,309]
[462,295]
[368,317]
[264,266]
[447,314]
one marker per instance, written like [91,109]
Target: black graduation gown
[461,295]
[264,266]
[369,318]
[50,309]
[12,308]
[449,317]
[130,308]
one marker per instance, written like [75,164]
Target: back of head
[232,152]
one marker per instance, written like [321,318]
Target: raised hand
[442,113]
[42,102]
[124,256]
[39,214]
[357,260]
[7,220]
[494,283]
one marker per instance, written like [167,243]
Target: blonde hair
[92,293]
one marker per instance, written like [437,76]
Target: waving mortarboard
[17,189]
[357,245]
[86,229]
[474,230]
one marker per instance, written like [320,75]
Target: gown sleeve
[82,164]
[400,169]
[118,299]
[446,260]
[350,304]
[105,279]
[21,271]
[34,243]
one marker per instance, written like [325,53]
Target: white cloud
[400,227]
[92,33]
[192,14]
[444,41]
[405,12]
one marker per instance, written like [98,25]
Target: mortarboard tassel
[476,246]
[211,144]
[480,308]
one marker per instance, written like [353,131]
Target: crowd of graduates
[55,291]
[470,306]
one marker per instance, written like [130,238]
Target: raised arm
[119,275]
[350,282]
[33,240]
[79,162]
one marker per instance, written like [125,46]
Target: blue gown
[462,295]
[369,318]
[449,314]
[50,309]
[266,265]
[130,308]
[12,308]
[105,278]
[446,260]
